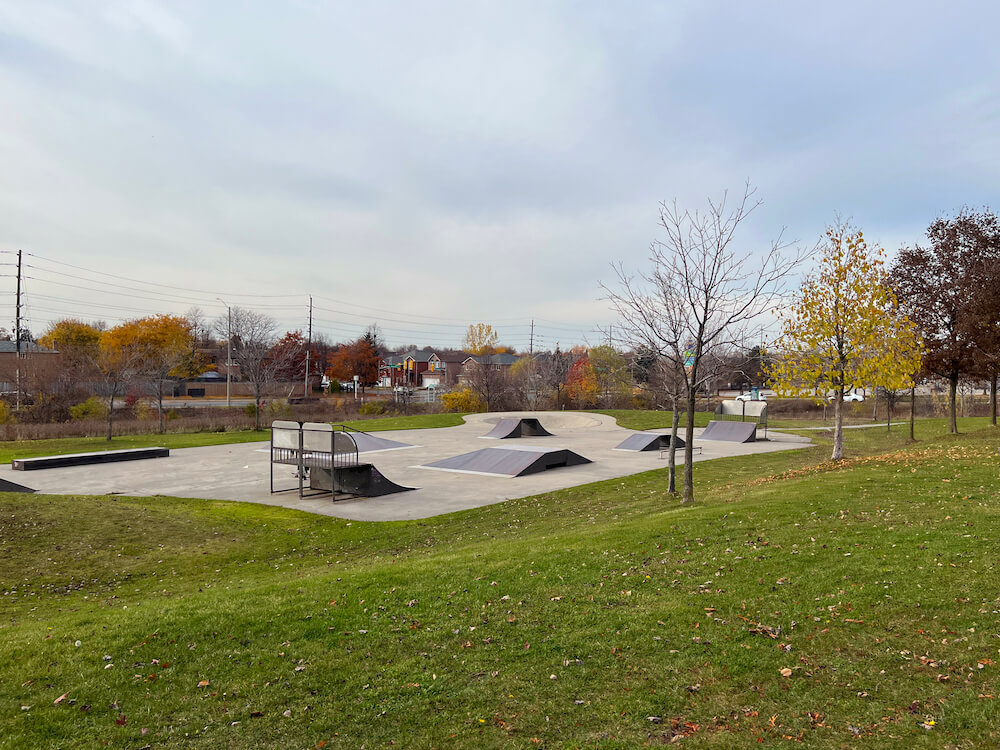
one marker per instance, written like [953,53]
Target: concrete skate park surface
[240,471]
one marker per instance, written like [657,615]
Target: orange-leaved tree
[167,347]
[358,358]
[581,383]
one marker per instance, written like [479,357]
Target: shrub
[277,410]
[465,400]
[370,408]
[250,410]
[92,408]
[172,414]
[6,417]
[144,410]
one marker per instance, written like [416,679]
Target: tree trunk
[111,413]
[953,404]
[675,421]
[913,408]
[875,408]
[993,398]
[159,405]
[257,411]
[689,448]
[838,424]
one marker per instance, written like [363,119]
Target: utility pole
[309,346]
[229,351]
[531,345]
[17,335]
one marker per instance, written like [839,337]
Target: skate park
[240,472]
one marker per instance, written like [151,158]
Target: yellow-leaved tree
[844,329]
[482,339]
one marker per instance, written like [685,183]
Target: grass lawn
[414,422]
[839,606]
[642,419]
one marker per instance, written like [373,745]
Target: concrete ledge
[86,459]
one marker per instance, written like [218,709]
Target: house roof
[420,355]
[10,347]
[504,358]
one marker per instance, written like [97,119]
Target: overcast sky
[430,164]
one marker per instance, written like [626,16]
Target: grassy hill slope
[840,606]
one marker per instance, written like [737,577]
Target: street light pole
[229,351]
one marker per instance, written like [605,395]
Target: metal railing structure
[308,446]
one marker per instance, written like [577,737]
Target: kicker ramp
[648,441]
[733,432]
[509,462]
[514,427]
[362,480]
[8,486]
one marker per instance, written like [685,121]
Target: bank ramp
[732,432]
[508,462]
[516,427]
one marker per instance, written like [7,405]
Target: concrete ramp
[360,480]
[509,462]
[648,441]
[515,427]
[368,443]
[8,486]
[733,432]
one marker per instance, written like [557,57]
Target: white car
[749,397]
[849,397]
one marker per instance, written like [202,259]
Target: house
[422,368]
[501,361]
[406,369]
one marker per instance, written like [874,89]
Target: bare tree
[700,296]
[254,336]
[488,380]
[552,369]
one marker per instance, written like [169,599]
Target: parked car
[849,397]
[749,397]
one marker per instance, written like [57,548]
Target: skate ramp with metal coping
[515,427]
[648,441]
[361,480]
[733,432]
[509,462]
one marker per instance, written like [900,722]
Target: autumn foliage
[844,329]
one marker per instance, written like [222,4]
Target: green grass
[562,620]
[415,422]
[641,419]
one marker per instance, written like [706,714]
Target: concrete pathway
[240,471]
